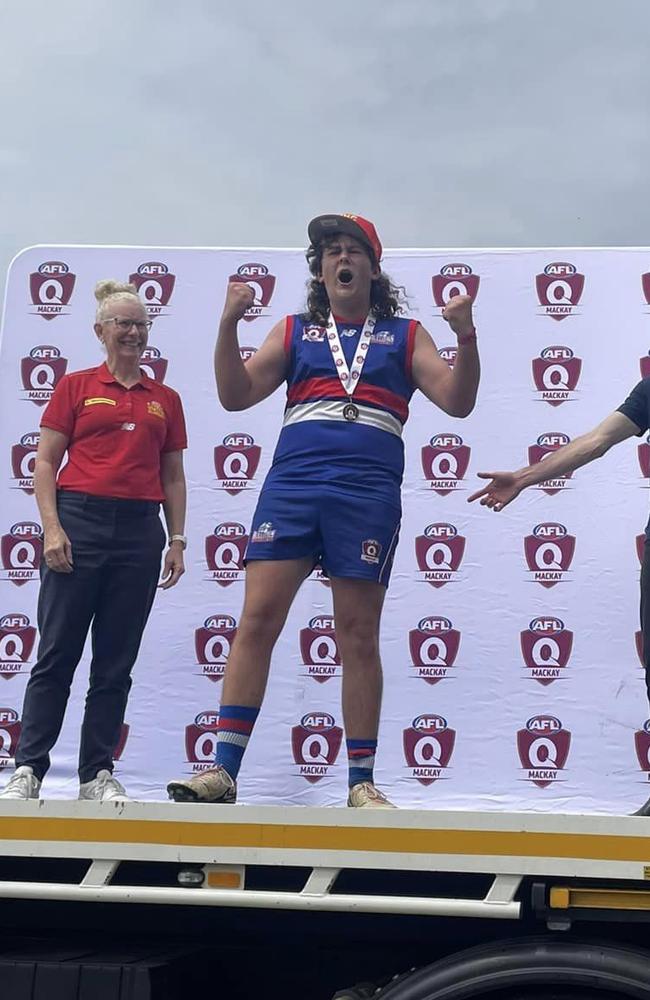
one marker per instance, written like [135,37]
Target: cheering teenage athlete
[332,495]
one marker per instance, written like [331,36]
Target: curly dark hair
[385,298]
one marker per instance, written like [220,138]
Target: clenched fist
[239,298]
[458,313]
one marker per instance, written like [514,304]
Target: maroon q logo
[559,289]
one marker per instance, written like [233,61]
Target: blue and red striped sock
[361,760]
[233,733]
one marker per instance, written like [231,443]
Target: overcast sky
[190,122]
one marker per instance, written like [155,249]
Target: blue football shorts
[350,536]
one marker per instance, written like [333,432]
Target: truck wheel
[541,968]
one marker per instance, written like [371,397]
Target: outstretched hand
[499,492]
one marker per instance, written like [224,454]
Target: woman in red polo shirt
[124,435]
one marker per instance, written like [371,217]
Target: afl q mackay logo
[51,288]
[153,364]
[155,285]
[201,741]
[543,749]
[224,553]
[642,747]
[428,746]
[9,736]
[556,373]
[433,646]
[315,744]
[643,452]
[439,552]
[319,650]
[549,553]
[21,550]
[546,647]
[454,279]
[257,277]
[545,445]
[17,637]
[235,462]
[23,460]
[444,462]
[645,285]
[559,289]
[212,645]
[41,372]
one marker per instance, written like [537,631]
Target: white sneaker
[23,784]
[366,796]
[103,788]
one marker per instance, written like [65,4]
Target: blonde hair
[109,291]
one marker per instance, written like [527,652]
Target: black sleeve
[636,406]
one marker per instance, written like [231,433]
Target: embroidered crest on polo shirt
[94,400]
[385,337]
[155,409]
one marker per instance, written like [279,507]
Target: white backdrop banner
[510,642]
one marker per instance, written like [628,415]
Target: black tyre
[540,968]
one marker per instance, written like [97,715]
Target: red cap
[324,226]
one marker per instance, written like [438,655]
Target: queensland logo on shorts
[546,647]
[371,551]
[41,372]
[556,373]
[224,553]
[236,461]
[153,364]
[23,460]
[314,334]
[51,288]
[449,354]
[543,748]
[454,279]
[546,444]
[212,645]
[257,277]
[315,744]
[319,650]
[439,552]
[155,285]
[21,550]
[549,553]
[121,743]
[428,746]
[201,741]
[642,747]
[17,637]
[559,289]
[9,736]
[444,462]
[434,647]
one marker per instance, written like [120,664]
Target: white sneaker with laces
[23,784]
[103,788]
[366,796]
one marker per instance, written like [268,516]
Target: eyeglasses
[124,325]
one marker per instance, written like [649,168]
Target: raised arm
[505,486]
[240,384]
[454,391]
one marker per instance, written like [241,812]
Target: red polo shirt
[115,435]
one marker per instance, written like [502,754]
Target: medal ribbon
[349,377]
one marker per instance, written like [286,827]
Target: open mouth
[345,276]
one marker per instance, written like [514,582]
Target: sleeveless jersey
[325,441]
